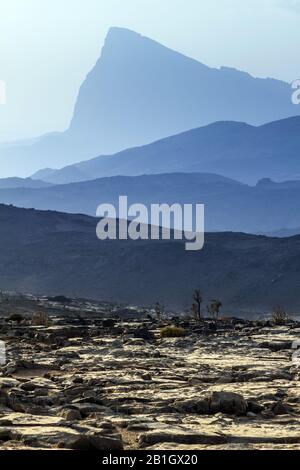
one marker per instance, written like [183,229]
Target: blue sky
[48,46]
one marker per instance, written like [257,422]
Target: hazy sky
[48,46]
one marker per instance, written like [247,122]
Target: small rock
[193,406]
[268,414]
[254,407]
[228,403]
[28,386]
[74,391]
[226,379]
[117,344]
[280,409]
[87,409]
[77,380]
[276,346]
[147,377]
[281,393]
[106,425]
[71,415]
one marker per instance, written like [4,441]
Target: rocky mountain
[140,91]
[229,205]
[55,253]
[232,149]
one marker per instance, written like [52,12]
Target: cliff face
[140,91]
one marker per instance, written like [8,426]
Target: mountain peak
[122,42]
[140,91]
[118,31]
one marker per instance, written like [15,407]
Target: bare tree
[214,308]
[196,308]
[159,311]
[194,312]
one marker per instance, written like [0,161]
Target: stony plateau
[98,376]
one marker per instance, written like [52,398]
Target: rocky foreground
[97,377]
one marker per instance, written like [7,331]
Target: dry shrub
[16,317]
[279,316]
[172,332]
[40,319]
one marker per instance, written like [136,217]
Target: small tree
[214,308]
[159,311]
[40,319]
[279,315]
[196,307]
[194,312]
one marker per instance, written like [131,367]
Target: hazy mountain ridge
[11,183]
[229,205]
[55,253]
[235,150]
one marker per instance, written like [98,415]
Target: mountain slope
[229,205]
[55,253]
[235,150]
[140,91]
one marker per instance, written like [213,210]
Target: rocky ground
[100,377]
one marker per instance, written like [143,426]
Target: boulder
[71,415]
[95,441]
[276,346]
[192,406]
[228,403]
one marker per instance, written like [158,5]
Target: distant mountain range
[22,183]
[54,253]
[229,205]
[140,91]
[131,134]
[235,150]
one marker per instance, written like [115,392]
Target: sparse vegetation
[279,315]
[214,309]
[40,319]
[196,307]
[16,317]
[159,311]
[172,332]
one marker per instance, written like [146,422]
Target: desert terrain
[97,376]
